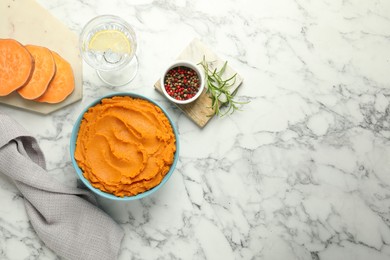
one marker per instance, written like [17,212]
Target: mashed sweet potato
[125,145]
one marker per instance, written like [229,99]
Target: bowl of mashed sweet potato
[124,146]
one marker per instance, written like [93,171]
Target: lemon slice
[113,40]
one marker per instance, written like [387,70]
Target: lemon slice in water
[113,40]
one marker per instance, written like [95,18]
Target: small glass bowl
[190,65]
[114,69]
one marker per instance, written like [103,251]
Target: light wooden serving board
[29,23]
[200,111]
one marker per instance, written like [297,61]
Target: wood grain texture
[200,111]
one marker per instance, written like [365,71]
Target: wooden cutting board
[29,23]
[200,111]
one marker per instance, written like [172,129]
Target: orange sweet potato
[62,85]
[16,66]
[43,73]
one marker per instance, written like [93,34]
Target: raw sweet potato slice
[62,85]
[16,66]
[43,73]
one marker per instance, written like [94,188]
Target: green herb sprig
[219,89]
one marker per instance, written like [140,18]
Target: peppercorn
[181,83]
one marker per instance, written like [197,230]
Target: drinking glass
[108,44]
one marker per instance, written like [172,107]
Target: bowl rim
[79,172]
[184,63]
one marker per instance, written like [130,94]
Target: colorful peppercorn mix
[181,83]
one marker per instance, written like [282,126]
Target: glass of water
[108,44]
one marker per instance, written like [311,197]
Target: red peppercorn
[181,83]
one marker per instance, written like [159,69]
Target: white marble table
[303,172]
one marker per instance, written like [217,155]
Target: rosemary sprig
[219,89]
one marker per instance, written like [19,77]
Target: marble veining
[302,172]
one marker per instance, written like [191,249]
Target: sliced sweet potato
[16,66]
[43,73]
[62,85]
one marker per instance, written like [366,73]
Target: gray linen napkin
[65,218]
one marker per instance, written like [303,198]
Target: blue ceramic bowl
[80,172]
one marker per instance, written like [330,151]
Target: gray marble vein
[302,172]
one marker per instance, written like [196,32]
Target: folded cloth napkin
[65,218]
